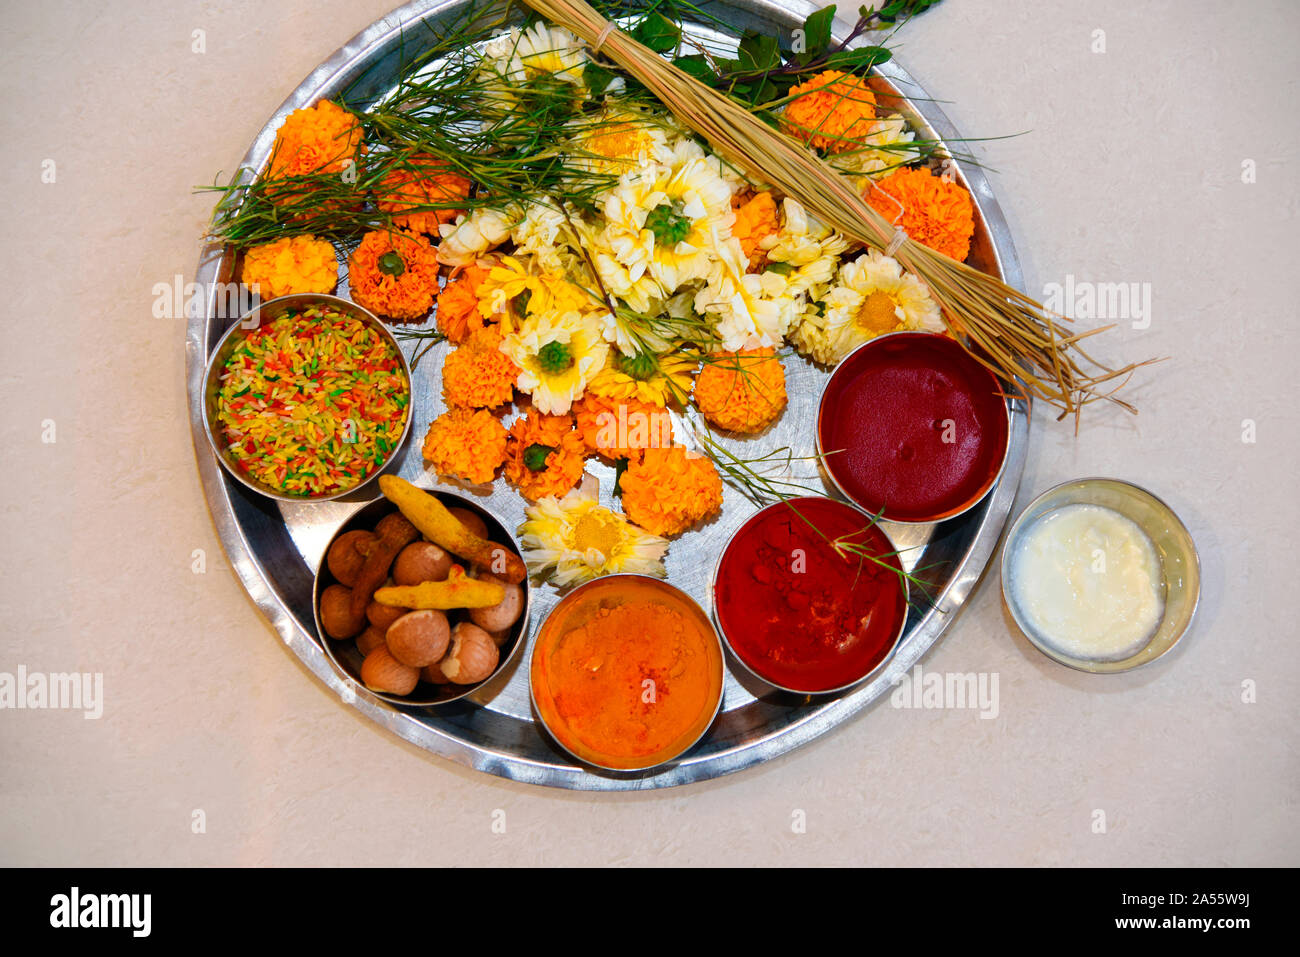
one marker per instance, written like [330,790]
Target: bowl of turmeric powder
[421,597]
[626,673]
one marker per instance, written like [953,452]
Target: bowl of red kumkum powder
[626,673]
[913,428]
[809,596]
[307,397]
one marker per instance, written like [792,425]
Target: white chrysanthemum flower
[750,310]
[810,250]
[658,331]
[666,219]
[540,233]
[474,234]
[576,539]
[871,296]
[627,340]
[635,287]
[519,56]
[885,149]
[557,355]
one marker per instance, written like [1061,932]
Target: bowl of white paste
[1100,575]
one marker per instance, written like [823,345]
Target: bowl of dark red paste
[913,428]
[810,597]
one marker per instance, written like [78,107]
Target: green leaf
[758,53]
[697,66]
[597,78]
[860,59]
[894,11]
[765,92]
[658,33]
[817,31]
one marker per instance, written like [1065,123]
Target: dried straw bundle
[1004,329]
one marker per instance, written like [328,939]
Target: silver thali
[276,547]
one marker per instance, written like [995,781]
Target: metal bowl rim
[679,594]
[406,702]
[218,448]
[884,516]
[722,632]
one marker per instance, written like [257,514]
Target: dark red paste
[912,424]
[797,613]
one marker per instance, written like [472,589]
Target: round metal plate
[275,548]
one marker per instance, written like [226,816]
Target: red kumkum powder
[913,425]
[798,613]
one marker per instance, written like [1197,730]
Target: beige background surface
[1131,171]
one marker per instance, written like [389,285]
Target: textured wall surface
[1169,159]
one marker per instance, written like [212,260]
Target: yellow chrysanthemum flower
[871,296]
[575,539]
[659,380]
[636,287]
[548,293]
[558,354]
[541,234]
[537,52]
[617,138]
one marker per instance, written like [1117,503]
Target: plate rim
[252,574]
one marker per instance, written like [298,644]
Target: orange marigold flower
[833,111]
[755,221]
[935,212]
[458,313]
[478,375]
[466,444]
[289,265]
[621,428]
[423,180]
[324,138]
[544,456]
[742,391]
[394,274]
[670,490]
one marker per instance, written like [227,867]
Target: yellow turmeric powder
[627,673]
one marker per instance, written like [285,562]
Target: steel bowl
[343,653]
[573,598]
[269,311]
[844,367]
[1179,564]
[875,670]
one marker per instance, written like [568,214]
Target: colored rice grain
[313,402]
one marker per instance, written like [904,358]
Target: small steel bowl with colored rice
[328,417]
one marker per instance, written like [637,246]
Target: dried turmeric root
[431,517]
[458,591]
